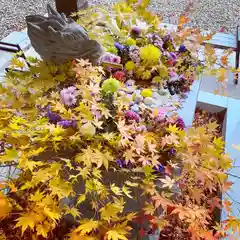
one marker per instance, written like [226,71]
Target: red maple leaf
[170,209]
[141,232]
[214,203]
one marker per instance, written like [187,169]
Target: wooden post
[237,54]
[70,6]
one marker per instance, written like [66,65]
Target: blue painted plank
[20,38]
[213,99]
[188,110]
[233,137]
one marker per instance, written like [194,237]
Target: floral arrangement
[99,152]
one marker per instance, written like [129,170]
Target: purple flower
[173,56]
[182,48]
[110,58]
[119,163]
[180,123]
[118,46]
[68,123]
[141,128]
[68,96]
[53,117]
[130,115]
[173,76]
[136,31]
[159,168]
[172,152]
[122,163]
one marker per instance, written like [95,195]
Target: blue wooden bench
[226,41]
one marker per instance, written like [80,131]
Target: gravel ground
[217,15]
[208,14]
[13,12]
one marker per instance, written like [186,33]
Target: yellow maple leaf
[222,75]
[38,196]
[212,126]
[15,62]
[110,211]
[218,142]
[126,191]
[129,155]
[59,187]
[43,229]
[74,212]
[131,184]
[102,158]
[52,213]
[114,235]
[10,156]
[116,190]
[27,220]
[172,129]
[85,157]
[149,209]
[87,226]
[81,199]
[97,173]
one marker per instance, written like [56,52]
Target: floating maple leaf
[167,182]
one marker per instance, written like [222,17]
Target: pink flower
[130,115]
[68,96]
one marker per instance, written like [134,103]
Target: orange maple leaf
[161,201]
[226,186]
[227,205]
[209,236]
[182,20]
[224,60]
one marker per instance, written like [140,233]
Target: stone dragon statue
[59,39]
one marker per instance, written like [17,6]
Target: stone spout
[59,39]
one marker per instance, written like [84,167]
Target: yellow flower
[130,65]
[146,75]
[146,92]
[150,54]
[130,42]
